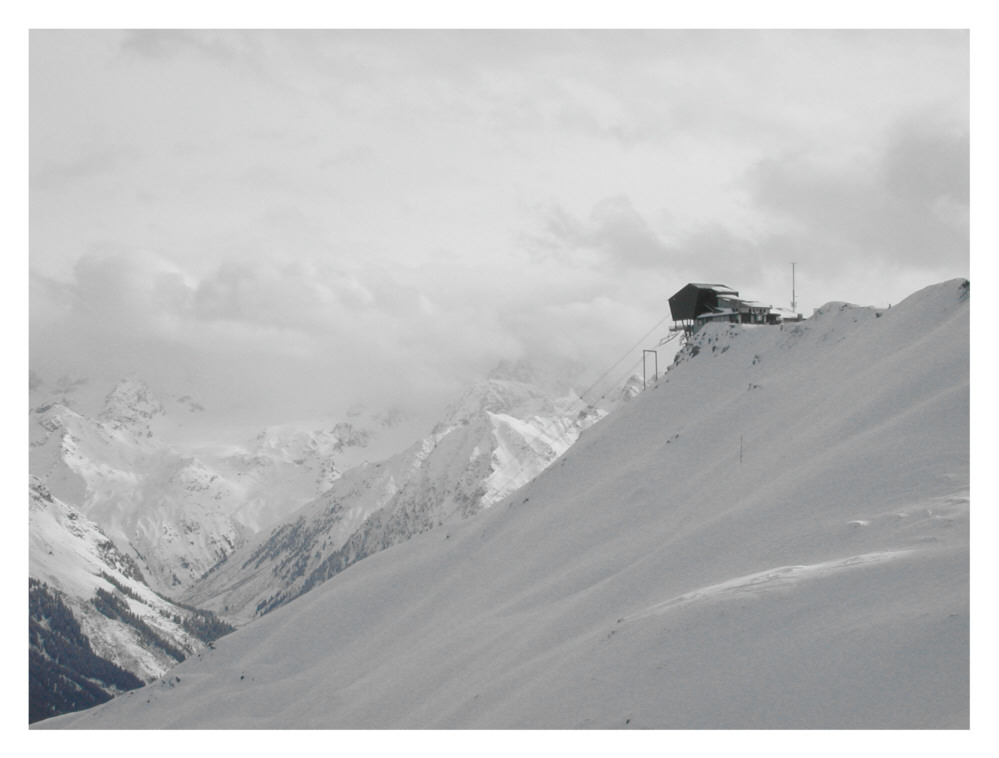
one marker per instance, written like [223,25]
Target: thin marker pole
[794,298]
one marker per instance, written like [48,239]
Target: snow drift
[773,536]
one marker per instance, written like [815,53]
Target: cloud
[625,235]
[286,296]
[616,239]
[91,161]
[342,212]
[926,165]
[269,339]
[614,234]
[159,44]
[272,304]
[136,292]
[354,157]
[904,205]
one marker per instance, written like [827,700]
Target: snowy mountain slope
[171,511]
[160,506]
[108,496]
[177,511]
[118,617]
[494,438]
[650,578]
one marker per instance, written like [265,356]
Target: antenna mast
[794,300]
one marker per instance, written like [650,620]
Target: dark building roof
[696,299]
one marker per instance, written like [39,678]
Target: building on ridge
[698,304]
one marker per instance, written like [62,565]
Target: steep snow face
[164,507]
[71,554]
[496,437]
[774,536]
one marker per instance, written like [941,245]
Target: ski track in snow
[764,581]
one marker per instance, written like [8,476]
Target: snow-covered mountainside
[498,435]
[161,507]
[177,511]
[97,628]
[118,516]
[773,536]
[173,511]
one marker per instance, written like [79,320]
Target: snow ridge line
[764,581]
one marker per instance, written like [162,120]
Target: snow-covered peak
[489,396]
[516,388]
[131,406]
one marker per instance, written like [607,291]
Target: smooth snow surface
[648,579]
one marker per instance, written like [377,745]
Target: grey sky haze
[284,223]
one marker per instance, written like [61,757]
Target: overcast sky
[285,223]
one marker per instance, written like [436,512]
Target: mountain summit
[131,406]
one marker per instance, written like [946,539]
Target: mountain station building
[698,304]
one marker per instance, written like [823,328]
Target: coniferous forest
[64,673]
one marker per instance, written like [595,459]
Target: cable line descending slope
[648,579]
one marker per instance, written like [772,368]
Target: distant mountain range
[498,435]
[176,511]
